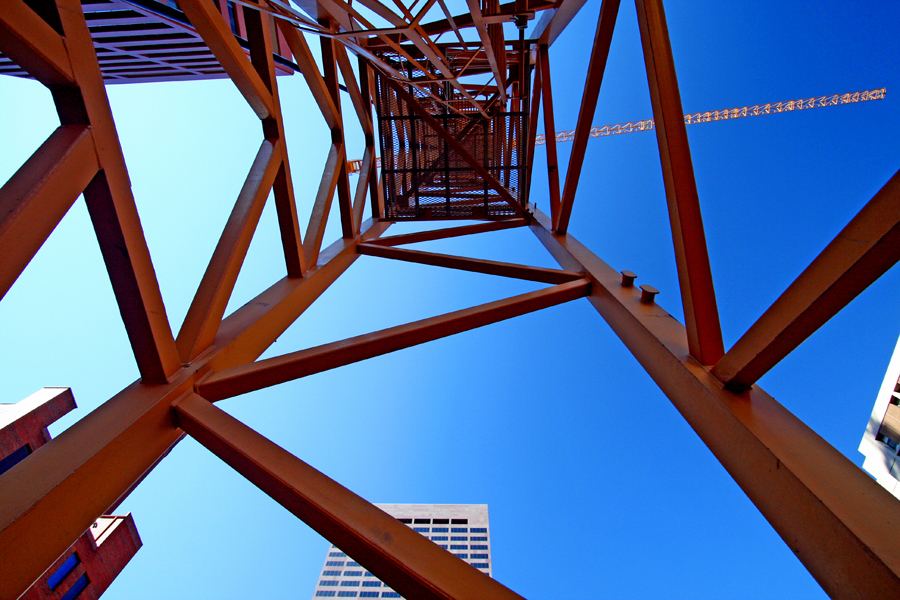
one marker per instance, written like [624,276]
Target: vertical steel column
[701,314]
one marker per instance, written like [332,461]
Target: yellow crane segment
[704,117]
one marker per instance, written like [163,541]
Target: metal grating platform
[424,178]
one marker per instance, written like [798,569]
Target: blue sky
[597,487]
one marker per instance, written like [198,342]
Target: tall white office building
[881,442]
[462,529]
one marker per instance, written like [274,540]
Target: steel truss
[841,524]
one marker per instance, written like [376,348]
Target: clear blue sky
[597,487]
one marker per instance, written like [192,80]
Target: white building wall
[882,460]
[462,529]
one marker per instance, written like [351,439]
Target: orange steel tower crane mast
[451,148]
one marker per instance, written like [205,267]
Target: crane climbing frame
[840,523]
[724,114]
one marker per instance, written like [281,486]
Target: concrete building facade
[881,442]
[90,565]
[462,529]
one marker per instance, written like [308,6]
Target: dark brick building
[91,564]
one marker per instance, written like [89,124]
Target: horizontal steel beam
[405,560]
[836,519]
[272,371]
[475,265]
[861,253]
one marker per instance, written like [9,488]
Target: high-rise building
[461,529]
[881,442]
[90,565]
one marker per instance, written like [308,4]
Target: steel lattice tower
[450,149]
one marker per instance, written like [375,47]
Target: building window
[232,17]
[478,530]
[465,556]
[390,595]
[478,547]
[440,522]
[421,529]
[368,594]
[350,563]
[478,539]
[407,521]
[334,563]
[481,556]
[346,594]
[15,458]
[369,574]
[337,555]
[76,588]
[63,570]
[459,530]
[352,573]
[444,546]
[349,584]
[371,584]
[426,521]
[459,522]
[439,538]
[331,573]
[459,547]
[325,593]
[328,582]
[438,530]
[459,538]
[480,565]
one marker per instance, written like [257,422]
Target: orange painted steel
[606,22]
[36,198]
[861,253]
[280,369]
[549,127]
[475,265]
[701,313]
[840,523]
[405,560]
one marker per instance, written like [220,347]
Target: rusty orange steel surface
[840,523]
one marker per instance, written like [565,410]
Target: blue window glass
[325,593]
[371,584]
[328,582]
[459,547]
[390,595]
[459,530]
[368,594]
[346,594]
[350,563]
[439,538]
[334,563]
[478,539]
[482,556]
[478,530]
[337,555]
[63,570]
[331,573]
[459,538]
[478,547]
[466,556]
[438,530]
[480,565]
[444,546]
[76,588]
[369,574]
[421,529]
[15,458]
[349,584]
[352,573]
